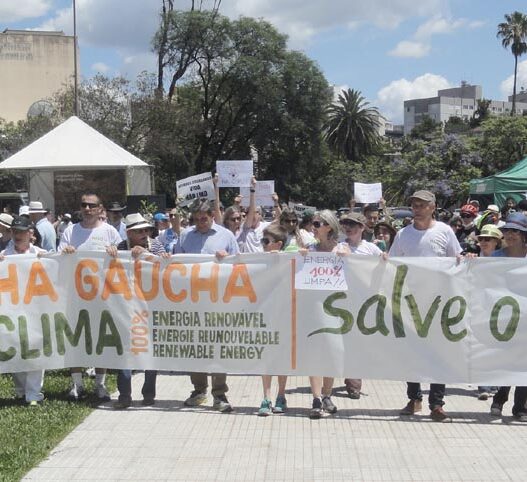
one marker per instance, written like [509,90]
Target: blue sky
[390,50]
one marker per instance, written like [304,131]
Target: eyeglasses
[290,221]
[317,224]
[266,241]
[466,216]
[89,205]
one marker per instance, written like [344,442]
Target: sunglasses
[141,230]
[485,239]
[317,224]
[466,216]
[89,205]
[266,241]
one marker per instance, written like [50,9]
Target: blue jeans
[435,397]
[124,385]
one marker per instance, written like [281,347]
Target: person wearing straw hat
[38,216]
[138,241]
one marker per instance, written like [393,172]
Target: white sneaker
[102,393]
[76,393]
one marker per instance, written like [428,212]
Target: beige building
[33,66]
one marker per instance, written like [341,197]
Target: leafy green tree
[502,143]
[427,129]
[513,34]
[456,125]
[481,113]
[352,128]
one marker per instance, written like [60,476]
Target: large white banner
[416,319]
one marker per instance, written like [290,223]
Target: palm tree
[513,33]
[352,127]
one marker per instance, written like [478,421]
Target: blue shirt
[48,235]
[217,238]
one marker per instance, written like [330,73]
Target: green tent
[497,188]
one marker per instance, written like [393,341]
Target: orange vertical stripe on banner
[293,315]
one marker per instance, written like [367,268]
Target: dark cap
[423,196]
[355,217]
[21,223]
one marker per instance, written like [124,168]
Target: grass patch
[29,434]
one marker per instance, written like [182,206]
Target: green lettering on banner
[510,330]
[46,334]
[108,339]
[345,315]
[6,355]
[421,327]
[25,352]
[447,321]
[397,319]
[63,329]
[379,316]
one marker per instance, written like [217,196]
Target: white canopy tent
[75,146]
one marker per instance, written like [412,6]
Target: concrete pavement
[365,441]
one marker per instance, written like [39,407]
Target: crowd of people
[204,227]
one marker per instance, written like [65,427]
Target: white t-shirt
[438,240]
[89,239]
[250,239]
[364,247]
[10,249]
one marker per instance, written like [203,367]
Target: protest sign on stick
[367,193]
[263,195]
[234,173]
[195,187]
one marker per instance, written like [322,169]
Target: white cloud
[391,97]
[14,10]
[100,67]
[406,48]
[420,46]
[507,85]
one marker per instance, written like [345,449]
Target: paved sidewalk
[365,441]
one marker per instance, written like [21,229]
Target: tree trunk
[513,110]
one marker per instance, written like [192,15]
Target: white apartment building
[456,102]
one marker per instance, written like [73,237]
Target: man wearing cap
[425,237]
[114,212]
[207,237]
[38,217]
[5,230]
[28,385]
[138,241]
[94,235]
[161,222]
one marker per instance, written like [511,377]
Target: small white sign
[367,193]
[195,187]
[263,195]
[234,173]
[320,271]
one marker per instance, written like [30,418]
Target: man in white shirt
[425,237]
[91,234]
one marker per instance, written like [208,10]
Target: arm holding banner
[251,218]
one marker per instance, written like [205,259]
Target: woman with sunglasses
[326,231]
[289,221]
[273,240]
[515,237]
[353,225]
[489,240]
